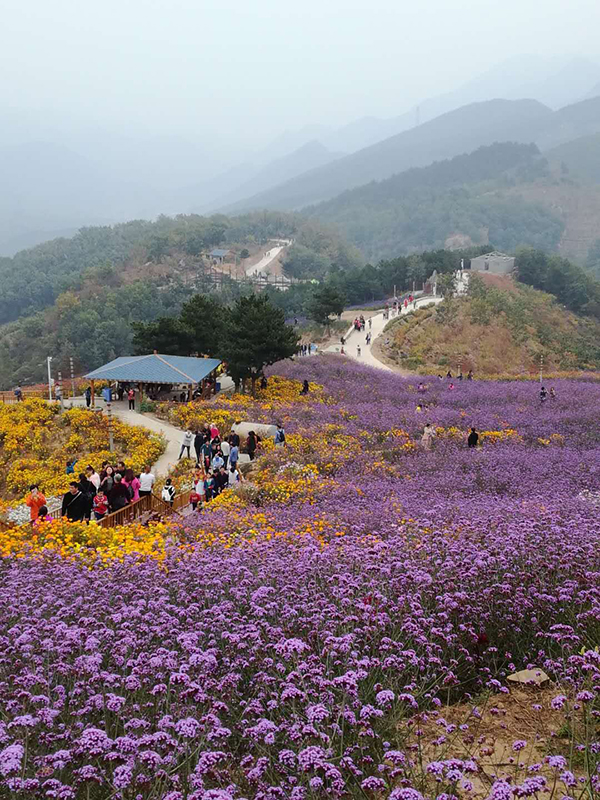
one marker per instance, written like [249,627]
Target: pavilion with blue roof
[157,370]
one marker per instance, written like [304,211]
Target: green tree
[446,285]
[204,319]
[245,253]
[166,335]
[256,336]
[326,302]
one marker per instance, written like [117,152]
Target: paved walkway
[268,258]
[172,435]
[378,323]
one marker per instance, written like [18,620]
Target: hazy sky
[227,70]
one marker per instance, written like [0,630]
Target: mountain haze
[451,134]
[457,132]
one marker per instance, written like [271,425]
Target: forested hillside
[33,279]
[78,297]
[470,196]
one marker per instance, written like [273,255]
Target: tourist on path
[234,476]
[168,492]
[198,442]
[305,387]
[225,448]
[88,397]
[218,461]
[35,500]
[131,399]
[88,490]
[19,394]
[473,438]
[133,485]
[118,497]
[147,481]
[188,438]
[108,481]
[92,476]
[252,444]
[74,504]
[234,455]
[100,505]
[543,394]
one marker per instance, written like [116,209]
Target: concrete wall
[496,264]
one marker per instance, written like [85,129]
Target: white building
[496,263]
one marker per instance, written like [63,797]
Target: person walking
[472,438]
[100,505]
[225,449]
[217,462]
[74,504]
[88,396]
[19,394]
[88,490]
[252,445]
[428,436]
[131,398]
[92,476]
[370,322]
[543,394]
[133,485]
[198,442]
[147,481]
[305,387]
[234,476]
[107,482]
[35,500]
[280,436]
[118,497]
[188,438]
[358,350]
[195,499]
[168,492]
[234,455]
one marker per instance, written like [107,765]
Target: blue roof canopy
[155,368]
[218,253]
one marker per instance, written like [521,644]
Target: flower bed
[36,440]
[343,626]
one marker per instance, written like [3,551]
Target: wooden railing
[9,397]
[146,504]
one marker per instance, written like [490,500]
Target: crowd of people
[93,494]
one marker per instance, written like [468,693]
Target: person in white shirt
[225,451]
[93,476]
[147,481]
[234,476]
[188,438]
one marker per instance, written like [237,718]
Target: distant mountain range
[95,177]
[451,134]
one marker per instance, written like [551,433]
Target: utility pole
[111,444]
[49,361]
[72,379]
[58,390]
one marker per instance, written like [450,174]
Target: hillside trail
[172,435]
[268,258]
[356,338]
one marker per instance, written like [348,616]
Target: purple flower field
[313,658]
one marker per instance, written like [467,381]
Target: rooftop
[156,368]
[218,253]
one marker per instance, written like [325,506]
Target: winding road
[378,323]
